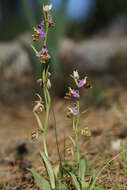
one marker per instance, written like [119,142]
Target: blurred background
[90,35]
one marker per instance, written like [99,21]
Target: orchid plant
[58,176]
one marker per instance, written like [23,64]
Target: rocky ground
[108,125]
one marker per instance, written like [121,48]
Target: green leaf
[49,169]
[115,187]
[64,187]
[95,176]
[56,170]
[86,188]
[82,170]
[40,181]
[75,181]
[124,151]
[100,187]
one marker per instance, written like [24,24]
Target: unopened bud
[75,74]
[49,74]
[39,81]
[47,8]
[48,84]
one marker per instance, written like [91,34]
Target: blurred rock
[19,148]
[115,145]
[14,59]
[122,132]
[98,55]
[117,28]
[16,69]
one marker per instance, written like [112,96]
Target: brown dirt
[107,124]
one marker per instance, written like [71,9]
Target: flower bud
[49,74]
[47,8]
[75,74]
[48,84]
[39,81]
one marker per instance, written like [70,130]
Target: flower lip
[38,107]
[38,33]
[72,94]
[43,54]
[73,111]
[75,93]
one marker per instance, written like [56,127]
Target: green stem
[44,143]
[75,128]
[76,138]
[39,122]
[34,49]
[47,105]
[45,90]
[47,27]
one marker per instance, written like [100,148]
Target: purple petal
[75,94]
[75,111]
[42,34]
[49,57]
[51,23]
[43,22]
[39,54]
[81,83]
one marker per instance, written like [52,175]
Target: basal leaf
[49,169]
[41,182]
[82,170]
[75,181]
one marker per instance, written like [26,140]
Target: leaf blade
[41,182]
[75,181]
[82,170]
[49,169]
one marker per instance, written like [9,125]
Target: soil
[108,126]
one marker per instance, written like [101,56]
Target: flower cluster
[43,55]
[41,32]
[86,132]
[38,33]
[80,82]
[73,94]
[73,111]
[48,16]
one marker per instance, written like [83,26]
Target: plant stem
[44,143]
[47,27]
[75,128]
[46,93]
[76,138]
